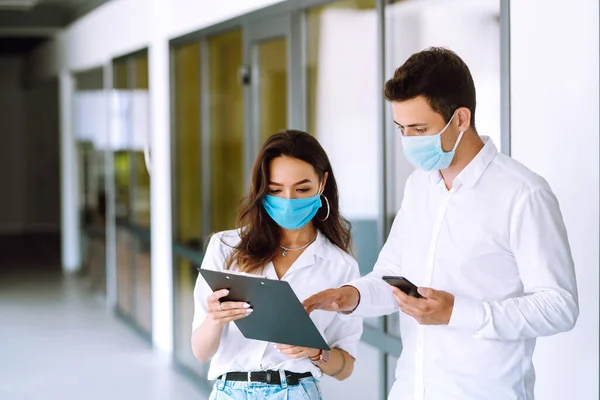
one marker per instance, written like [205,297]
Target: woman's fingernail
[225,292]
[248,311]
[246,305]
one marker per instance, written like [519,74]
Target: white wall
[554,83]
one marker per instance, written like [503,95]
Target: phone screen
[403,284]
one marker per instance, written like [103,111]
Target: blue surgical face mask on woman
[292,214]
[426,152]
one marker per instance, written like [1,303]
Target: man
[480,234]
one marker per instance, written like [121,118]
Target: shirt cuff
[350,343]
[467,315]
[363,300]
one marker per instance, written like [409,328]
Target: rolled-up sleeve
[213,260]
[541,249]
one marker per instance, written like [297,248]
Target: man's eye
[420,130]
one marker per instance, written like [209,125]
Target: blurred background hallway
[58,340]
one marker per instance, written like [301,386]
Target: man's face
[415,117]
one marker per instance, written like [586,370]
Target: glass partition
[91,130]
[226,129]
[272,86]
[140,140]
[125,273]
[187,186]
[130,146]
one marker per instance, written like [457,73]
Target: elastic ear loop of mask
[460,135]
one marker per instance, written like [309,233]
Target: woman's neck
[299,237]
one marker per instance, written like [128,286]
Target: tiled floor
[57,341]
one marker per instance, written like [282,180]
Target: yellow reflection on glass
[187,142]
[226,129]
[272,87]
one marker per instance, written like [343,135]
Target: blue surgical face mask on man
[426,152]
[292,214]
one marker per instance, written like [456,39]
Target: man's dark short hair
[440,76]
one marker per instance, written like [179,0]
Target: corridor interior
[58,341]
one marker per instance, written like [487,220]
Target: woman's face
[291,178]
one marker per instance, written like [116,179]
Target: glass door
[130,134]
[269,78]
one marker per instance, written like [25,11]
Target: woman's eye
[274,191]
[303,190]
[420,130]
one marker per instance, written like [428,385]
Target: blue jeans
[307,389]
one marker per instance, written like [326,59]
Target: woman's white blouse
[321,266]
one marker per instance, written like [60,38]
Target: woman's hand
[207,337]
[339,366]
[221,313]
[296,351]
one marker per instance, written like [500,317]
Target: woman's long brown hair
[260,235]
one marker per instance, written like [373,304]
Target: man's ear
[463,119]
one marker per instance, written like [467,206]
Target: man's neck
[470,145]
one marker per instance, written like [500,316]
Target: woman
[286,232]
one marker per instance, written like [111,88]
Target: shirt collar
[320,248]
[328,251]
[474,170]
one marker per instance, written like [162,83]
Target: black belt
[268,377]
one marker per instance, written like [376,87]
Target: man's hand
[344,299]
[434,309]
[296,352]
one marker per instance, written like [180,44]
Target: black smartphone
[403,284]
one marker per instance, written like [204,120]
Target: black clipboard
[278,315]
